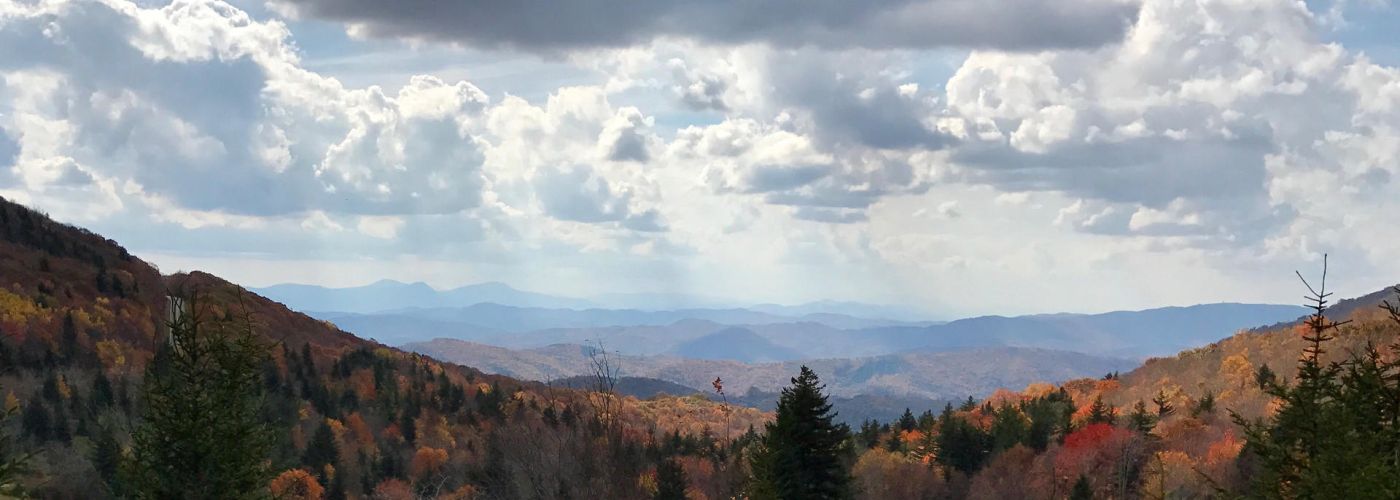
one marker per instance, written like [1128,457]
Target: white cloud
[1222,136]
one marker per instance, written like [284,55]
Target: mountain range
[1124,334]
[924,374]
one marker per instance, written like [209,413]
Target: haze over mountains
[876,359]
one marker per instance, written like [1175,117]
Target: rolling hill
[929,375]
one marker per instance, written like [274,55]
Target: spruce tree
[1140,420]
[670,481]
[804,454]
[322,450]
[1102,413]
[202,435]
[1081,490]
[106,458]
[1334,433]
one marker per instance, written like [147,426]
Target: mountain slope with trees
[101,385]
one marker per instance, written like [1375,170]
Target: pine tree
[1102,413]
[1082,490]
[670,481]
[321,450]
[1164,404]
[1334,433]
[106,458]
[907,422]
[1140,420]
[1204,406]
[101,396]
[804,454]
[202,434]
[36,421]
[961,445]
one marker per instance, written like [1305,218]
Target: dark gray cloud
[541,25]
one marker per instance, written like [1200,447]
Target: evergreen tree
[670,480]
[202,435]
[1265,378]
[106,458]
[36,421]
[907,421]
[321,450]
[1140,420]
[1102,413]
[1009,428]
[961,445]
[869,433]
[804,455]
[1081,490]
[14,466]
[1204,406]
[1164,404]
[101,396]
[1334,434]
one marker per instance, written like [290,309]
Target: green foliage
[1102,413]
[321,450]
[1337,430]
[1140,419]
[1009,428]
[804,455]
[14,464]
[107,458]
[202,435]
[961,445]
[1081,490]
[670,480]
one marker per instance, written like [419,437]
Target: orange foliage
[360,430]
[427,461]
[393,489]
[296,484]
[1224,450]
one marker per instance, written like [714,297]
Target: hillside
[82,319]
[936,376]
[1162,430]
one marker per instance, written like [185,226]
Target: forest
[121,382]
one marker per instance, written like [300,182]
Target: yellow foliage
[113,354]
[17,308]
[11,402]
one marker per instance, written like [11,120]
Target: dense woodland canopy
[240,397]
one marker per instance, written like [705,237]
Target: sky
[958,156]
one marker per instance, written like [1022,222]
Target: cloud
[578,194]
[538,25]
[199,113]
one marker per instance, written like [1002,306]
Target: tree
[321,450]
[296,484]
[36,421]
[1081,490]
[107,457]
[961,445]
[14,466]
[1334,432]
[907,422]
[804,454]
[1164,404]
[1204,406]
[1140,420]
[670,480]
[202,434]
[1101,413]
